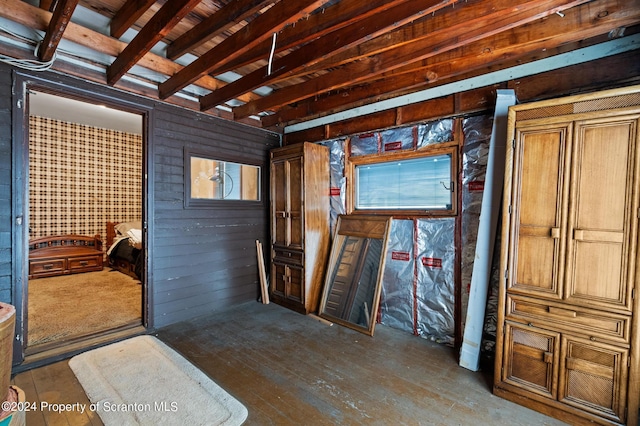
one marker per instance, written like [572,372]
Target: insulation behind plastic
[475,153]
[363,144]
[435,272]
[397,139]
[418,285]
[396,300]
[435,132]
[337,180]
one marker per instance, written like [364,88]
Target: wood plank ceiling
[274,63]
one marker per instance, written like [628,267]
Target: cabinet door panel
[295,289]
[600,218]
[538,222]
[593,377]
[278,279]
[531,359]
[279,208]
[296,203]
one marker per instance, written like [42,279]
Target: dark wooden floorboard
[290,369]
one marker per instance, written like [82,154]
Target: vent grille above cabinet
[591,105]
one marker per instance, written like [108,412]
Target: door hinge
[633,293]
[506,273]
[629,361]
[513,143]
[509,209]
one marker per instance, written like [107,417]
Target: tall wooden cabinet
[568,341]
[300,231]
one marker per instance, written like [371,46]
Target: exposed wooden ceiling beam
[416,31]
[400,12]
[540,39]
[57,25]
[443,35]
[127,15]
[36,18]
[47,4]
[261,28]
[334,17]
[155,30]
[214,24]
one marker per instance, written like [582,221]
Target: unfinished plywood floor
[290,369]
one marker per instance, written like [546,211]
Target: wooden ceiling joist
[290,61]
[57,25]
[155,30]
[401,12]
[214,24]
[258,30]
[47,4]
[30,16]
[437,39]
[334,17]
[508,48]
[127,15]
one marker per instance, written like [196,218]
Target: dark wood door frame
[23,81]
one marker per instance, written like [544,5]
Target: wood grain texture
[569,259]
[340,376]
[300,231]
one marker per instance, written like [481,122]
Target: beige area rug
[76,305]
[142,381]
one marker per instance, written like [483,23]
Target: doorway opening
[85,177]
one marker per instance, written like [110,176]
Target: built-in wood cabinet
[300,230]
[568,341]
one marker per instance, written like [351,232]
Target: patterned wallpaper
[80,177]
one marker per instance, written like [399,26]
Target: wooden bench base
[63,255]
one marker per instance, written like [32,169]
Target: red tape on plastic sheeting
[476,185]
[400,255]
[432,262]
[392,146]
[334,192]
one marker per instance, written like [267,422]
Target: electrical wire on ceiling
[29,64]
[273,50]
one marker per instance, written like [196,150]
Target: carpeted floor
[81,304]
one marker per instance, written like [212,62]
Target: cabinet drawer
[595,325]
[287,256]
[47,267]
[78,264]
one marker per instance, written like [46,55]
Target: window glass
[212,179]
[423,183]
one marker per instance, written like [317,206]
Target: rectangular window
[415,183]
[211,179]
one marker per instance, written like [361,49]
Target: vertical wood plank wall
[5,184]
[203,259]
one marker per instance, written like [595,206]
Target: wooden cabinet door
[288,282]
[531,359]
[296,203]
[279,203]
[540,173]
[593,377]
[602,219]
[287,203]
